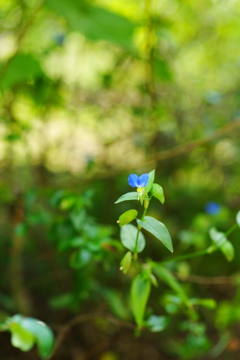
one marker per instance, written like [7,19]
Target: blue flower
[138,181]
[212,208]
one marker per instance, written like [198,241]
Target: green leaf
[43,334]
[127,217]
[208,303]
[217,237]
[128,196]
[140,291]
[26,331]
[128,237]
[228,250]
[157,229]
[170,280]
[221,241]
[126,262]
[21,338]
[94,22]
[22,68]
[150,181]
[157,323]
[157,192]
[238,218]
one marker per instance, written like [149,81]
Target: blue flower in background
[138,181]
[212,208]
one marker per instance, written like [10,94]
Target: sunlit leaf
[26,331]
[157,229]
[217,237]
[43,334]
[21,338]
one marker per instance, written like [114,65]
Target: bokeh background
[90,92]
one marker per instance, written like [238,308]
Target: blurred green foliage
[91,91]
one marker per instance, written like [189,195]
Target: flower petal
[143,180]
[133,180]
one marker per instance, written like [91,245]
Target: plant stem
[234,227]
[139,228]
[209,250]
[187,256]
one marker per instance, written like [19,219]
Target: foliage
[91,92]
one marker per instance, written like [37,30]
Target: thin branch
[205,280]
[88,318]
[162,155]
[185,148]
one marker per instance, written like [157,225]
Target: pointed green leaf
[228,250]
[127,217]
[150,181]
[157,229]
[140,291]
[128,196]
[238,218]
[170,280]
[126,262]
[157,192]
[128,237]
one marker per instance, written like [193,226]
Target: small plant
[147,272]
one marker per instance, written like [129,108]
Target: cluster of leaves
[143,65]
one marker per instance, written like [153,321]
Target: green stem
[209,250]
[234,227]
[188,256]
[139,228]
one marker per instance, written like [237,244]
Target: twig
[205,280]
[87,318]
[181,149]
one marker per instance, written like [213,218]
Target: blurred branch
[217,280]
[88,318]
[20,38]
[157,156]
[181,149]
